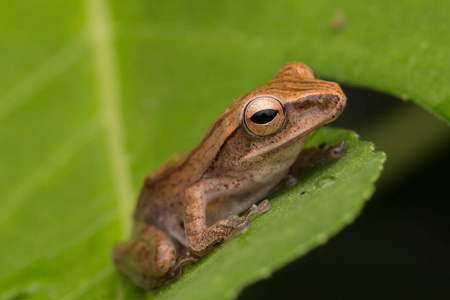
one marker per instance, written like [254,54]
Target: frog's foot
[338,150]
[237,223]
[310,157]
[172,275]
[202,242]
[177,270]
[261,208]
[290,180]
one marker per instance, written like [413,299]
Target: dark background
[399,247]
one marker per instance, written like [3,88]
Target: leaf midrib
[100,30]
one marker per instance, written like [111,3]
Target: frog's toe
[291,180]
[263,206]
[338,150]
[187,256]
[173,274]
[228,223]
[242,227]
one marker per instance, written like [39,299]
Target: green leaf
[326,199]
[95,94]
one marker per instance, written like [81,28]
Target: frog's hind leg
[149,259]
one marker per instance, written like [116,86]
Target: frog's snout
[325,102]
[339,108]
[333,102]
[341,103]
[334,105]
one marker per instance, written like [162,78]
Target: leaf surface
[95,94]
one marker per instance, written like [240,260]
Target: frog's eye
[263,116]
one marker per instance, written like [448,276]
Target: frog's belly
[231,206]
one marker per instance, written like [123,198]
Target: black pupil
[264,116]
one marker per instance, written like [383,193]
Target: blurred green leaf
[95,94]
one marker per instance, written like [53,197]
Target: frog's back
[160,200]
[161,193]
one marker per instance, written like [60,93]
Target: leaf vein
[106,70]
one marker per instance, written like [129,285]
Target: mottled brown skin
[186,208]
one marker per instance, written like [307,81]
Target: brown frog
[186,208]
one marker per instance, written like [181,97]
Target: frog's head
[292,104]
[280,114]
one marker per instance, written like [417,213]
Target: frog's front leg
[150,259]
[199,236]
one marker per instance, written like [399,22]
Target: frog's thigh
[147,258]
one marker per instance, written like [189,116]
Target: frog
[186,208]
